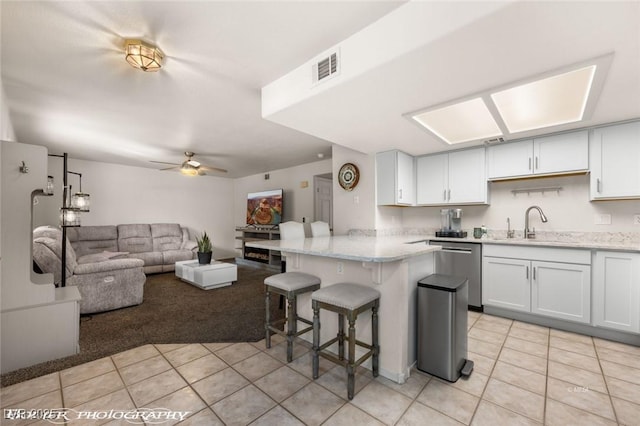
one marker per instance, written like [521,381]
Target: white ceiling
[69,88]
[504,43]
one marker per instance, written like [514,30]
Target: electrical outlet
[340,269]
[602,219]
[636,219]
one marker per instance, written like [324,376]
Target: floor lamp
[69,212]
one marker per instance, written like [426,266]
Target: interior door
[323,201]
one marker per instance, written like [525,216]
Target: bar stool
[346,299]
[289,285]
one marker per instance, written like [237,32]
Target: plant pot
[204,258]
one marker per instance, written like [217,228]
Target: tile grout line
[187,381]
[519,387]
[606,383]
[490,375]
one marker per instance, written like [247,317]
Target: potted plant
[205,249]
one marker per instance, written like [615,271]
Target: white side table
[214,275]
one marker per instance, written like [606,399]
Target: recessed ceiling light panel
[548,102]
[461,122]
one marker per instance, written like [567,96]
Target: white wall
[570,210]
[354,209]
[125,194]
[6,128]
[297,202]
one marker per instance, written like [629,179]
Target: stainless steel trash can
[442,326]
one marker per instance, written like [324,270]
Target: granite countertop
[552,241]
[358,248]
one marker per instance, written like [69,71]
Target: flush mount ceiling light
[552,101]
[142,55]
[461,122]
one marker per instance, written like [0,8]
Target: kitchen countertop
[358,248]
[629,246]
[399,247]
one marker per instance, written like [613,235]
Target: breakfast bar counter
[391,265]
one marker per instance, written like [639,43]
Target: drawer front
[543,254]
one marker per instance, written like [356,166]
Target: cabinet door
[506,283]
[561,290]
[432,179]
[616,291]
[567,152]
[615,161]
[406,193]
[467,177]
[510,160]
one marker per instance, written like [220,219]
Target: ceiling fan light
[143,56]
[188,169]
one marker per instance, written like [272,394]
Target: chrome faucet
[527,232]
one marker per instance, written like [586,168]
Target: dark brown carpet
[172,312]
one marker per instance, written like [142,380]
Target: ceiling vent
[326,67]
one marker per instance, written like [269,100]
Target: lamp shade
[81,201]
[69,217]
[142,55]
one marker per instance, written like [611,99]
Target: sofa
[109,263]
[106,281]
[159,245]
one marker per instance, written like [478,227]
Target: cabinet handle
[444,195]
[529,163]
[536,163]
[598,185]
[400,194]
[534,273]
[527,272]
[449,195]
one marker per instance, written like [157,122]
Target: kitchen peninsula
[392,265]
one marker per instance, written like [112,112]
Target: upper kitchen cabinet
[615,162]
[549,155]
[395,179]
[458,177]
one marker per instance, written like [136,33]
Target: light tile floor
[524,375]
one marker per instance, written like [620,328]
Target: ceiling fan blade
[176,167]
[163,162]
[212,169]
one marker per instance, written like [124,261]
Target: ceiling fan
[191,167]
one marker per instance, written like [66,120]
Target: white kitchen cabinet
[548,155]
[550,281]
[506,284]
[457,177]
[561,290]
[432,179]
[615,162]
[616,290]
[395,179]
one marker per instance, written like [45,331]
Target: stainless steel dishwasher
[462,259]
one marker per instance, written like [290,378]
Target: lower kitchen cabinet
[616,290]
[505,283]
[561,290]
[544,281]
